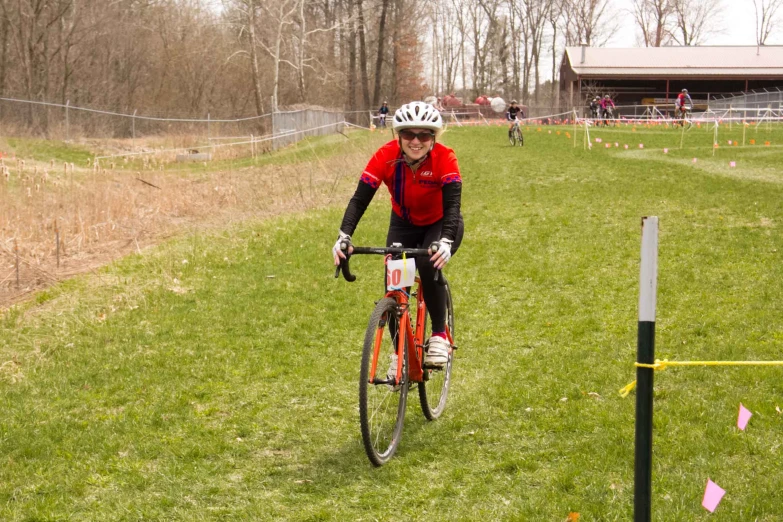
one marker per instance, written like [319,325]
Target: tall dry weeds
[103,211]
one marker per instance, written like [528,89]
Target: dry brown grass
[102,213]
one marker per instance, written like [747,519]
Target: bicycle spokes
[382,399]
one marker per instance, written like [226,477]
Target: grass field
[215,376]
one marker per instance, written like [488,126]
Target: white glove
[337,253]
[442,256]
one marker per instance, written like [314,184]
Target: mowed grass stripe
[215,378]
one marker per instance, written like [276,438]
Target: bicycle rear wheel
[434,390]
[382,404]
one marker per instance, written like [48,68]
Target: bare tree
[182,57]
[655,19]
[479,36]
[696,20]
[246,18]
[5,27]
[588,22]
[766,18]
[450,39]
[524,51]
[363,56]
[555,14]
[537,15]
[376,92]
[32,25]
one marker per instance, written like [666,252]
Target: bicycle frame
[383,392]
[414,337]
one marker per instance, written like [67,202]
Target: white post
[575,127]
[133,130]
[67,122]
[648,282]
[715,137]
[649,269]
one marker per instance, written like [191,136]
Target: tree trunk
[395,49]
[376,93]
[276,57]
[4,28]
[363,58]
[554,64]
[254,61]
[351,102]
[300,65]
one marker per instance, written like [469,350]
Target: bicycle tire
[381,407]
[520,138]
[434,390]
[512,139]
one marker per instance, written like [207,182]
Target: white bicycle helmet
[417,115]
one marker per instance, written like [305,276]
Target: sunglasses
[423,137]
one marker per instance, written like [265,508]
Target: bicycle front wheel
[434,389]
[520,139]
[382,401]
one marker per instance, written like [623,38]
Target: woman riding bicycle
[425,184]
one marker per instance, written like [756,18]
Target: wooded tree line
[242,57]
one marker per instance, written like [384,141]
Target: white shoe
[437,349]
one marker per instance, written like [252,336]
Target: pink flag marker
[608,145]
[665,151]
[729,142]
[732,164]
[626,146]
[744,417]
[641,145]
[712,496]
[616,144]
[694,160]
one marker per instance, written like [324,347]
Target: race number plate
[400,273]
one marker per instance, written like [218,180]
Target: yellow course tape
[663,364]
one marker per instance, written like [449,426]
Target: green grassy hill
[215,377]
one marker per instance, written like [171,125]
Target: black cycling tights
[412,236]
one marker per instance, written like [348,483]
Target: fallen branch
[150,184]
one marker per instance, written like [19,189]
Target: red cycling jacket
[417,196]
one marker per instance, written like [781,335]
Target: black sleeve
[356,207]
[452,196]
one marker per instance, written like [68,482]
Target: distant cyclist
[514,112]
[595,105]
[682,105]
[607,109]
[382,112]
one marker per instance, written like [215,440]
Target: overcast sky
[738,19]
